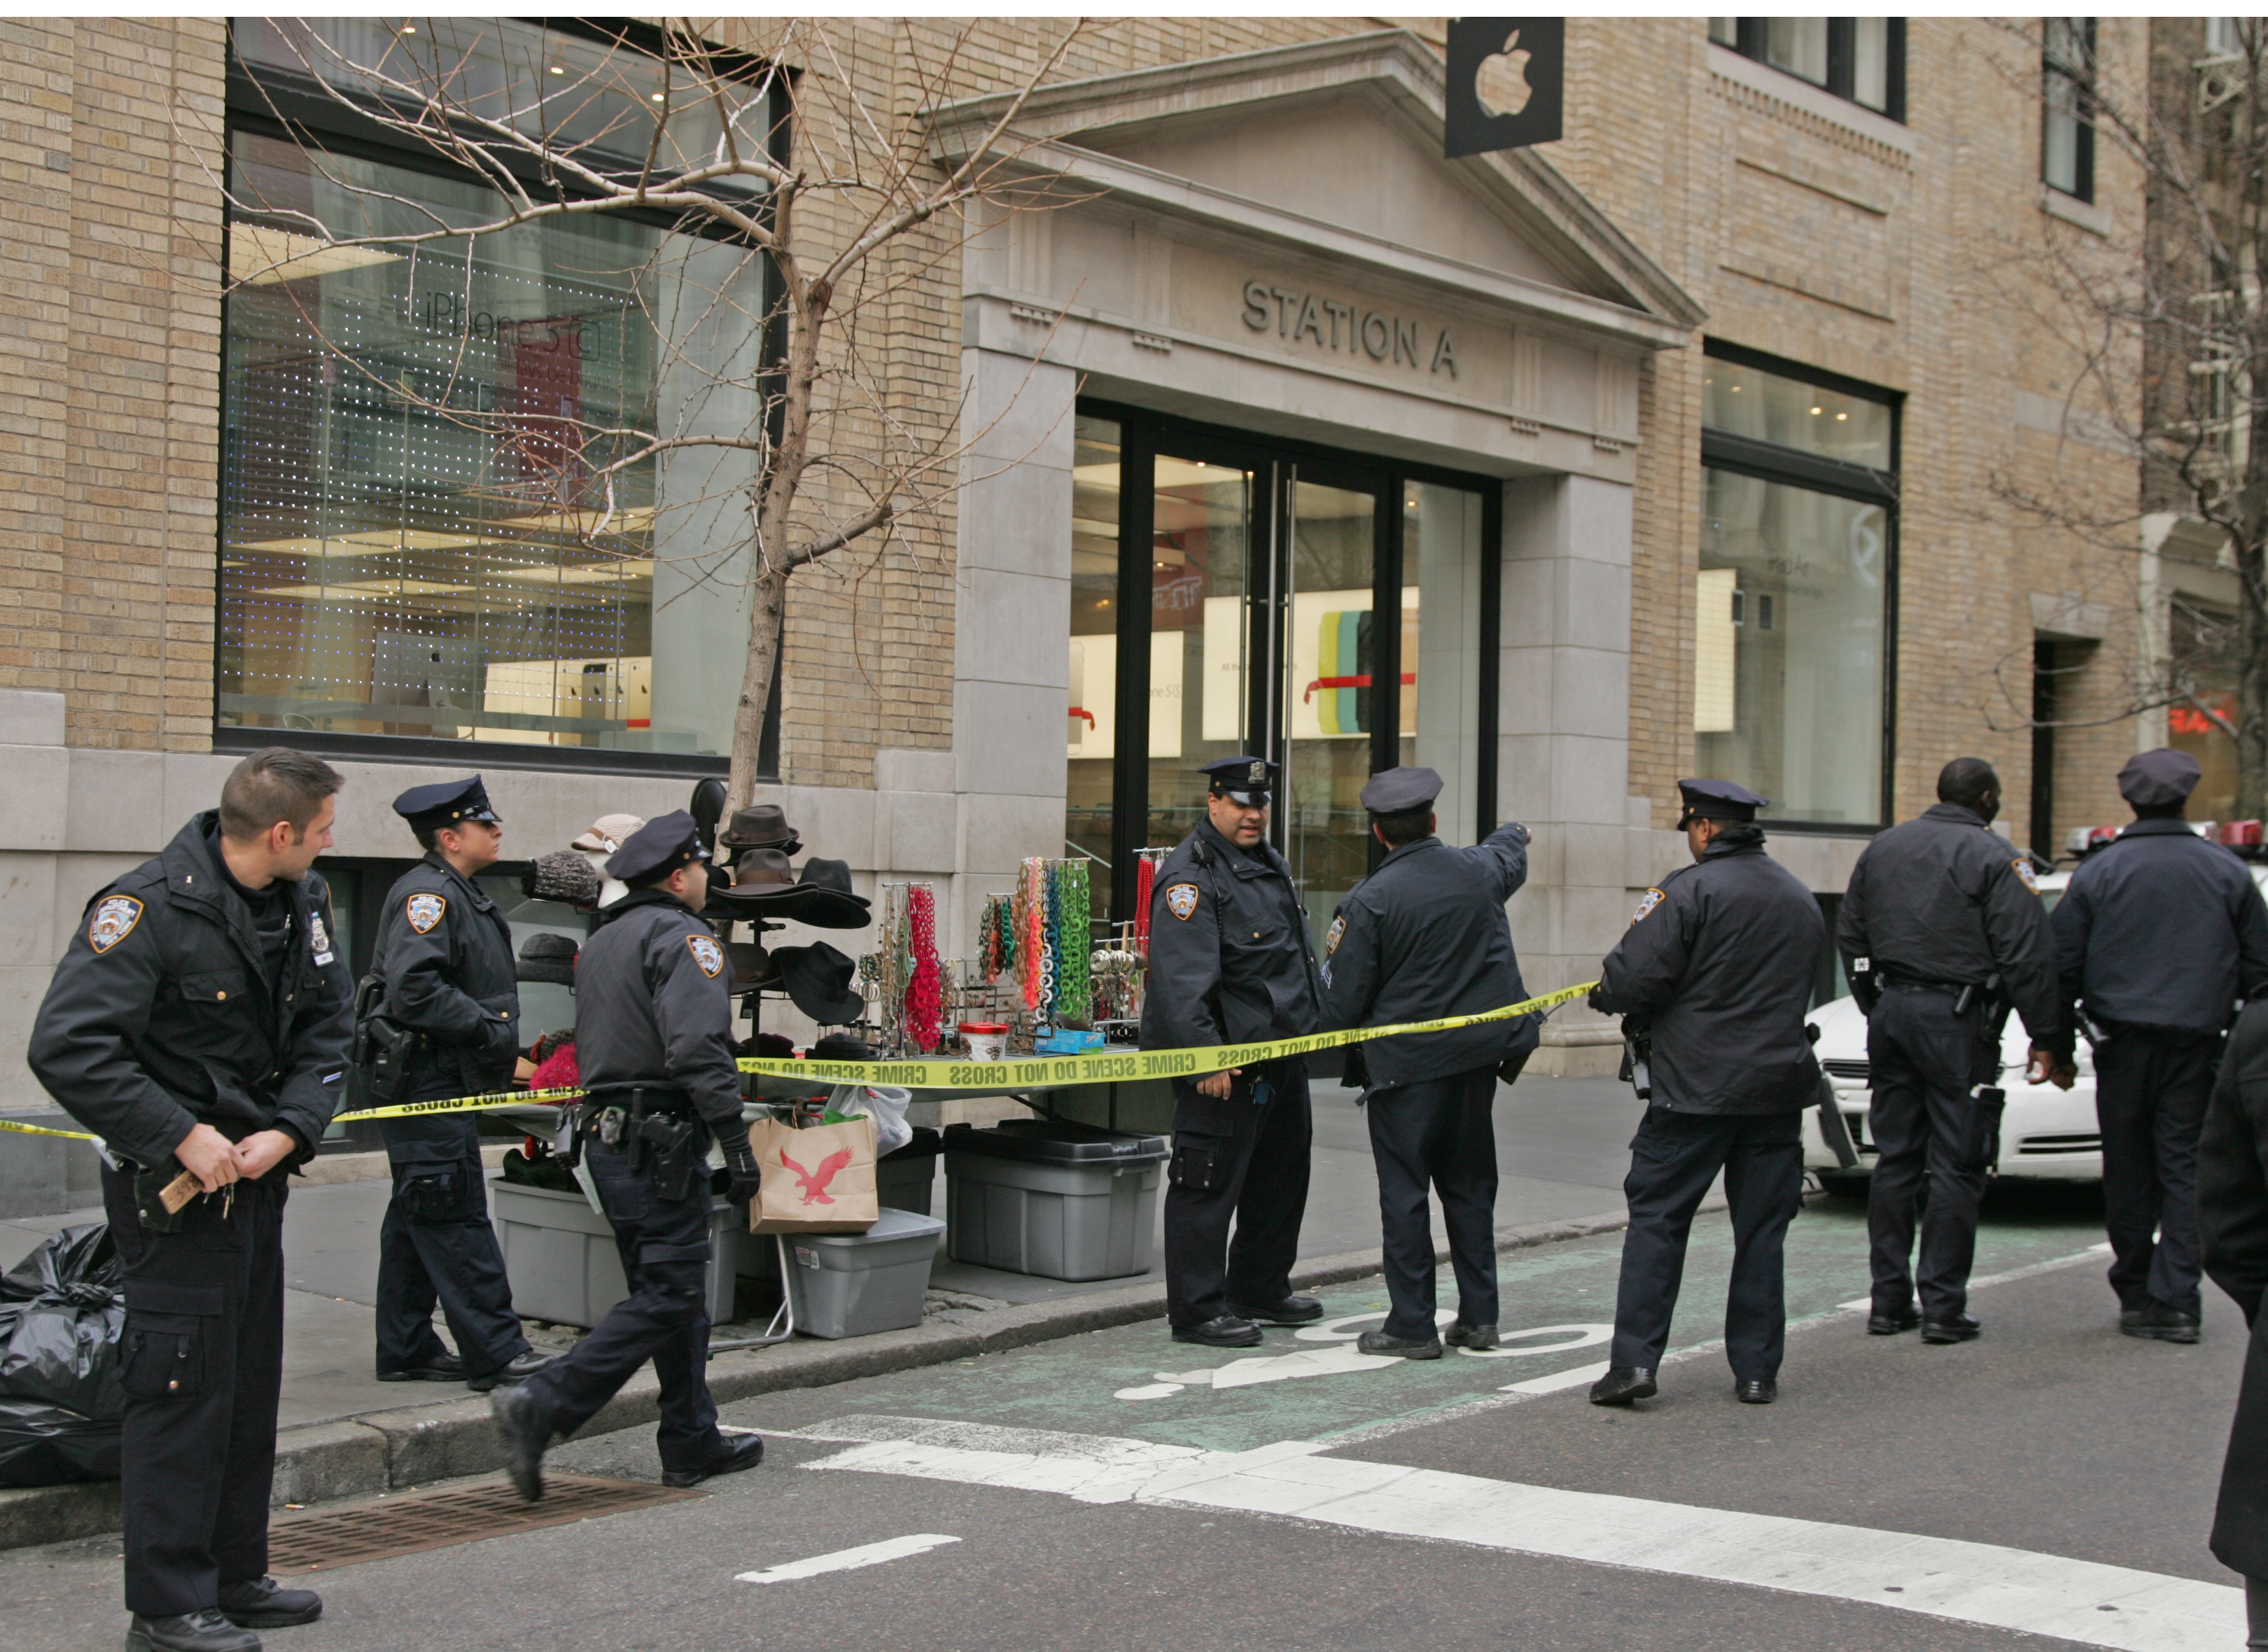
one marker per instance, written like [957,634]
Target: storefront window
[2206,662]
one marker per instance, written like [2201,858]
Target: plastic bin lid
[1054,1142]
[891,1224]
[926,1143]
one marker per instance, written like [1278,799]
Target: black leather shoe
[525,1438]
[445,1367]
[1293,1310]
[261,1603]
[205,1631]
[1226,1331]
[519,1371]
[742,1449]
[1464,1336]
[1960,1328]
[1624,1385]
[1398,1347]
[2156,1322]
[1881,1324]
[1756,1392]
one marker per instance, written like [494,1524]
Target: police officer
[2160,936]
[653,1033]
[2232,1205]
[199,1023]
[1712,980]
[1230,964]
[1424,937]
[445,959]
[1941,929]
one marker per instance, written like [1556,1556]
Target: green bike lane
[1135,1382]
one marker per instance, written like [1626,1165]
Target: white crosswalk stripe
[848,1560]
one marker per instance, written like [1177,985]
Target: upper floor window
[1863,59]
[2066,122]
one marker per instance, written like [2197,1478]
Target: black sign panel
[1534,51]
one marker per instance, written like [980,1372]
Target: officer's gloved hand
[740,1165]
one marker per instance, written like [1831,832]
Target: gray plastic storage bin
[903,1179]
[855,1284]
[559,1254]
[1063,1201]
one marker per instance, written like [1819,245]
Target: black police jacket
[1718,967]
[1229,958]
[1422,937]
[445,954]
[653,1006]
[1944,897]
[2232,1207]
[2160,928]
[161,1016]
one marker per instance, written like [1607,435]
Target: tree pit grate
[413,1521]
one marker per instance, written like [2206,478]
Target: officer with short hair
[1942,930]
[1712,980]
[1230,964]
[653,1033]
[199,1022]
[1423,938]
[2160,936]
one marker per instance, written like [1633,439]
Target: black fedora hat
[752,966]
[821,897]
[818,980]
[548,957]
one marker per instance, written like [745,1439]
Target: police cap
[1718,800]
[445,803]
[1400,790]
[657,849]
[2155,780]
[1247,780]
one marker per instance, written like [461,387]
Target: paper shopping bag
[819,1179]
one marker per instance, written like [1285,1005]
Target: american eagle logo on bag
[113,920]
[1653,899]
[815,1181]
[706,953]
[1182,900]
[2024,873]
[424,911]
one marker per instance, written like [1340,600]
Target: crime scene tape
[457,1104]
[41,1130]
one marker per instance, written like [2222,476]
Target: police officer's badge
[1331,939]
[706,953]
[113,920]
[2024,873]
[319,937]
[424,911]
[1182,900]
[1653,899]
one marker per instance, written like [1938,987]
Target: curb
[416,1445]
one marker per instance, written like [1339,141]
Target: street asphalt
[2048,1485]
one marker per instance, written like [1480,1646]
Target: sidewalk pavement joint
[417,1445]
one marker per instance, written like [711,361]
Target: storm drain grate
[435,1520]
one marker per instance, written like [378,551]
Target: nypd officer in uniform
[444,955]
[1230,964]
[654,1038]
[1712,979]
[200,1023]
[2159,937]
[1941,930]
[1422,938]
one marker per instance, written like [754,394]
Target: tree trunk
[764,639]
[2252,683]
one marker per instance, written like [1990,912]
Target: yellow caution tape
[460,1105]
[1108,1066]
[41,1130]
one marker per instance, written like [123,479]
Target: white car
[2046,1134]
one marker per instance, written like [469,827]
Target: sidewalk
[1560,1149]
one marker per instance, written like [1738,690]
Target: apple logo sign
[1523,59]
[1513,77]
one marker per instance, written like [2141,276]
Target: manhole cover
[434,1519]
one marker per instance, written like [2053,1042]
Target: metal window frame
[1842,60]
[2080,77]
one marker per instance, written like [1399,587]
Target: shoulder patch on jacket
[706,953]
[1182,900]
[2024,873]
[1653,899]
[424,911]
[113,920]
[1331,940]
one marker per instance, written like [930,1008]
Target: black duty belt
[643,1099]
[1916,984]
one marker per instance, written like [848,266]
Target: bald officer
[1230,964]
[444,956]
[2159,937]
[654,1038]
[1422,938]
[1713,977]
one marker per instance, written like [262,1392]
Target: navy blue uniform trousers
[1437,1132]
[437,1244]
[2151,1088]
[202,1362]
[1235,1161]
[1923,1061]
[665,1249]
[1674,1158]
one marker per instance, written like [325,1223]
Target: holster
[677,1147]
[567,1135]
[1984,1127]
[1638,1063]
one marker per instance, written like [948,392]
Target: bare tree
[797,199]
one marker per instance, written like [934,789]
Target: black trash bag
[61,1317]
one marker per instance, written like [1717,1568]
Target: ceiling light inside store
[658,96]
[1816,412]
[556,70]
